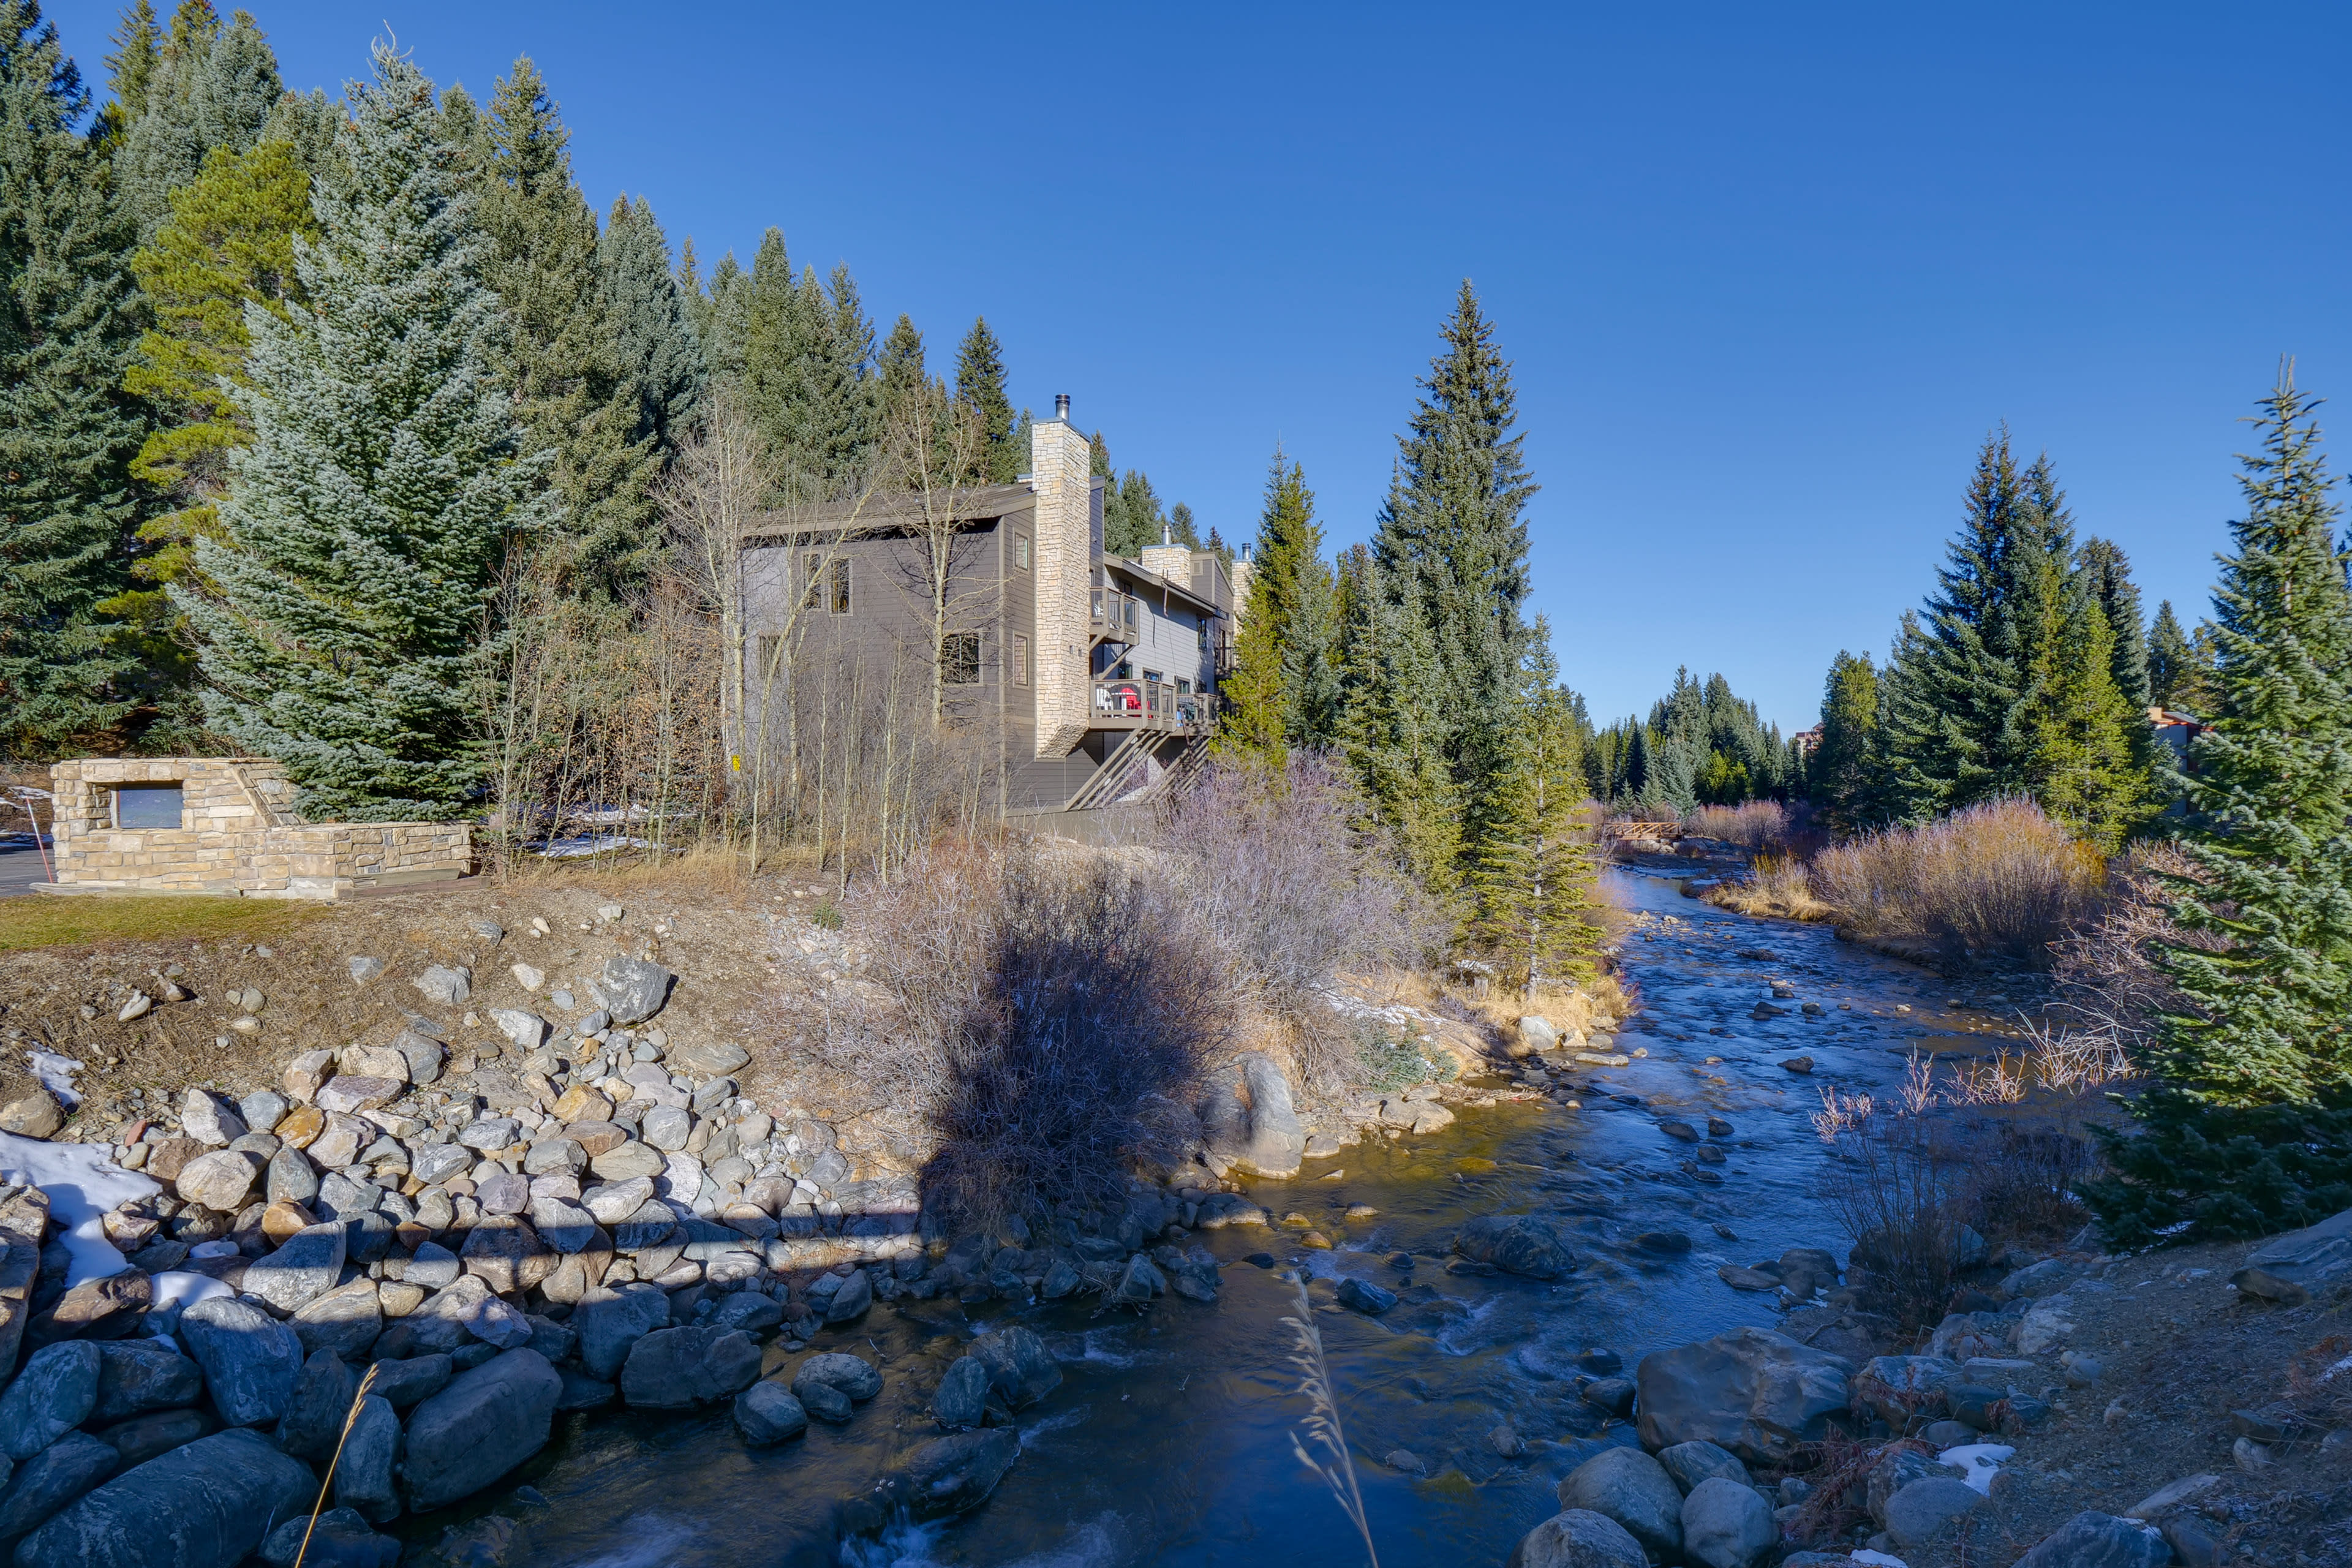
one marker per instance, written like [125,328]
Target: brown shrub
[1751,825]
[1996,878]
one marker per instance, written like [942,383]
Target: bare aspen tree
[937,447]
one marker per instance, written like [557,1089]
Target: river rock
[1250,1121]
[631,989]
[220,1180]
[209,1119]
[111,1307]
[1691,1463]
[303,1269]
[952,1475]
[484,1424]
[707,1059]
[1365,1297]
[53,1394]
[351,1093]
[2289,1269]
[856,1377]
[1753,1391]
[346,1320]
[206,1505]
[1577,1538]
[1629,1486]
[610,1322]
[1516,1244]
[437,1162]
[423,1053]
[670,1369]
[433,1266]
[403,1383]
[965,1396]
[855,1295]
[749,1310]
[1020,1368]
[250,1359]
[341,1540]
[142,1437]
[507,1253]
[1893,1387]
[2094,1539]
[52,1479]
[448,984]
[315,1409]
[1725,1524]
[365,1476]
[628,1160]
[565,1227]
[291,1178]
[33,1114]
[616,1202]
[767,1412]
[137,1375]
[1917,1510]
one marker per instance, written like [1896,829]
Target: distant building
[1099,675]
[1805,740]
[2176,729]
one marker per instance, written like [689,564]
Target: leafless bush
[1275,870]
[1901,1192]
[1842,1113]
[1751,824]
[2104,969]
[2026,1179]
[1996,878]
[1049,1015]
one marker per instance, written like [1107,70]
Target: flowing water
[1170,1439]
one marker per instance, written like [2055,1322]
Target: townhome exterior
[1097,675]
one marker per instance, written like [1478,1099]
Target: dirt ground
[722,935]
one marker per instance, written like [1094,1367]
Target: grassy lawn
[48,921]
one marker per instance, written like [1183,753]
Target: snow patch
[1978,1462]
[56,1073]
[82,1184]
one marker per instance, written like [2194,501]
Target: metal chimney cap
[1167,534]
[1061,406]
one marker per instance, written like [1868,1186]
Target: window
[146,806]
[812,576]
[1021,551]
[1153,676]
[840,588]
[833,598]
[1204,637]
[767,659]
[1020,659]
[1183,687]
[1131,614]
[959,659]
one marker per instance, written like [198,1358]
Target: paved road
[20,868]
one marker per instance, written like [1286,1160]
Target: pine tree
[902,372]
[1131,516]
[1841,764]
[1187,531]
[209,87]
[2179,670]
[2110,571]
[368,518]
[2084,770]
[573,394]
[1392,726]
[658,352]
[68,320]
[980,382]
[1453,539]
[808,371]
[1282,688]
[229,243]
[723,319]
[1534,878]
[130,72]
[2250,1128]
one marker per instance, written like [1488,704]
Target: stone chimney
[1244,569]
[1168,558]
[1059,461]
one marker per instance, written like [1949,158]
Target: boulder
[2094,1539]
[366,1475]
[1725,1524]
[34,1114]
[610,1322]
[466,1311]
[321,1397]
[616,1202]
[220,1180]
[346,1320]
[852,1377]
[1919,1509]
[341,1540]
[670,1369]
[1628,1486]
[1691,1463]
[111,1307]
[53,1393]
[624,1161]
[1577,1538]
[951,1475]
[1365,1297]
[2289,1269]
[137,1375]
[302,1269]
[507,1254]
[527,1030]
[1020,1368]
[767,1412]
[1895,1388]
[250,1359]
[1753,1391]
[206,1505]
[749,1310]
[142,1437]
[965,1396]
[403,1383]
[1250,1121]
[708,1059]
[52,1479]
[423,1054]
[1516,1244]
[209,1119]
[484,1424]
[849,1302]
[631,989]
[448,984]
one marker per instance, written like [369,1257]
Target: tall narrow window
[1021,551]
[840,588]
[813,581]
[1020,659]
[959,659]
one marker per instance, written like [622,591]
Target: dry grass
[1781,887]
[1751,825]
[49,920]
[1997,878]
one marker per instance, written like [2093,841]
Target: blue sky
[1768,274]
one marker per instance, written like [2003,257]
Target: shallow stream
[1168,1440]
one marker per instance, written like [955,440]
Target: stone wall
[237,835]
